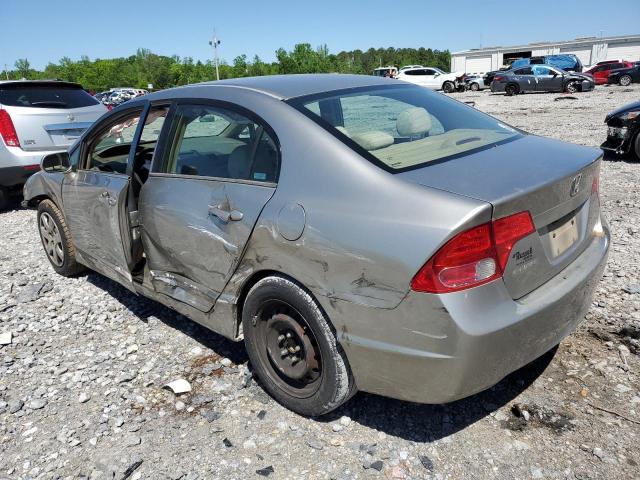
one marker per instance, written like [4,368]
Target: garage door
[478,64]
[625,51]
[583,53]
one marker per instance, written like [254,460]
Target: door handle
[224,215]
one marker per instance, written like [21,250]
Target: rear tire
[636,147]
[56,240]
[625,80]
[448,87]
[4,198]
[293,349]
[511,89]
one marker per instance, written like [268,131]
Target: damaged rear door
[217,171]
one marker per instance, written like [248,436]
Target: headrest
[372,140]
[239,163]
[413,121]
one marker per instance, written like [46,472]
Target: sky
[44,31]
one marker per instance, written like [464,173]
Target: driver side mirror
[56,162]
[554,74]
[437,74]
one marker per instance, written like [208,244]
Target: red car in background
[601,72]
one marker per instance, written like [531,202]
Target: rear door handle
[224,215]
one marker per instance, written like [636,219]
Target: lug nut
[288,334]
[280,338]
[294,360]
[284,353]
[297,349]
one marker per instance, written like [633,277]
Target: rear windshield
[45,96]
[404,127]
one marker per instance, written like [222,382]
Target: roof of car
[40,82]
[291,86]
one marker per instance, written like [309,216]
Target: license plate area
[563,237]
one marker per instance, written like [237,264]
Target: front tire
[448,87]
[56,240]
[475,87]
[572,87]
[625,80]
[293,349]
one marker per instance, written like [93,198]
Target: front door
[547,79]
[95,197]
[199,206]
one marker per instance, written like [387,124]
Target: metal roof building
[589,50]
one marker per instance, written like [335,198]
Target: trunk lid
[48,115]
[552,180]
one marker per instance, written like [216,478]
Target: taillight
[31,168]
[7,130]
[473,257]
[498,79]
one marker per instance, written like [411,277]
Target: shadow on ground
[411,421]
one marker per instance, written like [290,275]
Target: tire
[511,89]
[4,198]
[281,323]
[56,240]
[636,146]
[475,87]
[625,80]
[448,87]
[571,87]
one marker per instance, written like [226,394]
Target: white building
[589,50]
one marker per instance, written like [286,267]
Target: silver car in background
[359,233]
[37,118]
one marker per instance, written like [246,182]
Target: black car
[625,76]
[623,135]
[541,78]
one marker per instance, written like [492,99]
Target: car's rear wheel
[475,87]
[625,80]
[4,198]
[56,240]
[448,87]
[572,87]
[636,147]
[511,89]
[293,349]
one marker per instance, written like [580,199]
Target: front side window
[403,127]
[540,70]
[215,142]
[109,150]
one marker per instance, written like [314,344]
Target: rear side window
[209,141]
[524,71]
[45,96]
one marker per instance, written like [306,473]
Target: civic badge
[575,185]
[70,117]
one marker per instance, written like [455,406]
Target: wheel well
[255,278]
[39,198]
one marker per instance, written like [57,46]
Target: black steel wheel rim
[288,349]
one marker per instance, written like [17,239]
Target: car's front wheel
[293,349]
[572,87]
[56,240]
[448,87]
[475,87]
[625,80]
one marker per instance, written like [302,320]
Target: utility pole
[214,42]
[6,72]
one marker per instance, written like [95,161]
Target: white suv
[431,77]
[38,118]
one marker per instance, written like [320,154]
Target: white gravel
[81,380]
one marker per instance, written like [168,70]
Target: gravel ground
[81,382]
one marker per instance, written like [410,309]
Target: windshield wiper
[53,103]
[468,140]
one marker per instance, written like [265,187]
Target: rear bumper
[440,348]
[13,161]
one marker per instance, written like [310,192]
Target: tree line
[146,67]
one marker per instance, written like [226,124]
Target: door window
[540,70]
[109,150]
[524,71]
[215,142]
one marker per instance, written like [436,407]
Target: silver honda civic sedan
[358,233]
